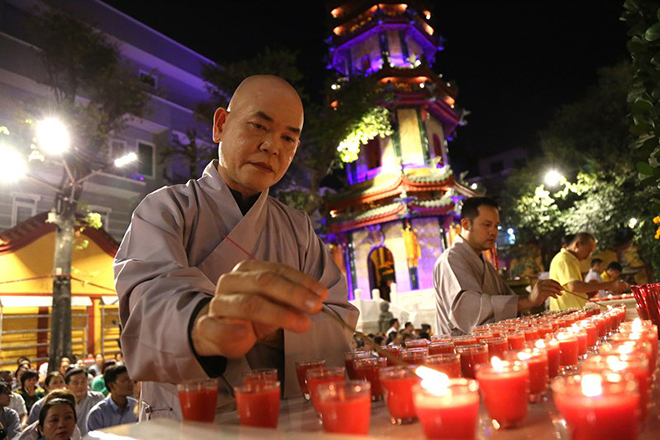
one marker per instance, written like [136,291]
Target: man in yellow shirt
[565,269]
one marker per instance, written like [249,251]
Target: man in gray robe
[469,291]
[215,277]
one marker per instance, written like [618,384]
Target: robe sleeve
[159,292]
[467,305]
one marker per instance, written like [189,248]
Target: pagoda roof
[388,185]
[35,227]
[393,211]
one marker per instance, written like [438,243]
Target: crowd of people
[80,396]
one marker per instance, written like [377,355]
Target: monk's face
[258,135]
[481,233]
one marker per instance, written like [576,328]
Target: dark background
[514,62]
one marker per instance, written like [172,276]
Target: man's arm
[592,289]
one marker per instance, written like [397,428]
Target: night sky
[514,62]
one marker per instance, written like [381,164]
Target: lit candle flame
[637,325]
[539,344]
[433,381]
[524,356]
[591,385]
[626,348]
[497,364]
[615,364]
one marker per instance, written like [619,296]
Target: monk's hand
[619,286]
[252,301]
[543,290]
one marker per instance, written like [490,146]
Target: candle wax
[347,414]
[261,408]
[505,394]
[198,405]
[448,417]
[399,397]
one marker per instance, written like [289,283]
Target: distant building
[157,60]
[493,170]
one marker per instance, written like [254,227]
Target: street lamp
[553,178]
[53,136]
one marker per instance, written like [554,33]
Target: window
[497,166]
[437,147]
[23,208]
[372,153]
[148,79]
[146,165]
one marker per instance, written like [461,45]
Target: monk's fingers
[272,285]
[214,336]
[293,275]
[551,285]
[260,310]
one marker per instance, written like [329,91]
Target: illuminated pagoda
[398,213]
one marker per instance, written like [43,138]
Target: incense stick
[580,296]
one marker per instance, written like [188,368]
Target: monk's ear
[219,119]
[466,224]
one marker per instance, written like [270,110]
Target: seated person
[54,381]
[119,407]
[612,273]
[8,417]
[31,432]
[57,419]
[76,381]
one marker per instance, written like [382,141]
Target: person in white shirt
[394,327]
[597,267]
[16,402]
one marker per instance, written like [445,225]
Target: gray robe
[469,291]
[171,258]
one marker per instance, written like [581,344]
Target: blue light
[510,231]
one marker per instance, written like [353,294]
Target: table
[298,421]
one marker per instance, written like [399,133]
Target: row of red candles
[534,351]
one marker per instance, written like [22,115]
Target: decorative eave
[373,216]
[36,227]
[417,72]
[392,186]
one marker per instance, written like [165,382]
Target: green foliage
[586,141]
[188,152]
[375,122]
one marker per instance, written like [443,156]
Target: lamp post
[53,140]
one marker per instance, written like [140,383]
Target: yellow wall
[36,259]
[411,141]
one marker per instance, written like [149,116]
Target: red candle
[440,347]
[441,338]
[601,326]
[414,356]
[198,400]
[349,360]
[258,404]
[544,329]
[416,343]
[318,376]
[481,337]
[581,335]
[636,364]
[516,340]
[617,347]
[505,386]
[301,371]
[464,340]
[472,355]
[397,383]
[592,333]
[260,375]
[367,369]
[537,363]
[532,334]
[345,408]
[598,407]
[449,413]
[568,349]
[497,347]
[447,363]
[394,350]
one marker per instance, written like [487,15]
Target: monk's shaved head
[264,85]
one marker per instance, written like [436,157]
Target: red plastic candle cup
[497,346]
[301,372]
[260,375]
[537,363]
[485,328]
[258,404]
[532,334]
[544,329]
[416,343]
[345,407]
[367,369]
[441,338]
[597,407]
[441,347]
[397,383]
[592,333]
[505,387]
[414,356]
[349,359]
[394,350]
[464,340]
[619,347]
[601,325]
[551,346]
[481,337]
[472,355]
[198,400]
[448,363]
[318,376]
[581,335]
[635,364]
[450,413]
[568,350]
[516,340]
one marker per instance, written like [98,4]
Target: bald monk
[194,304]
